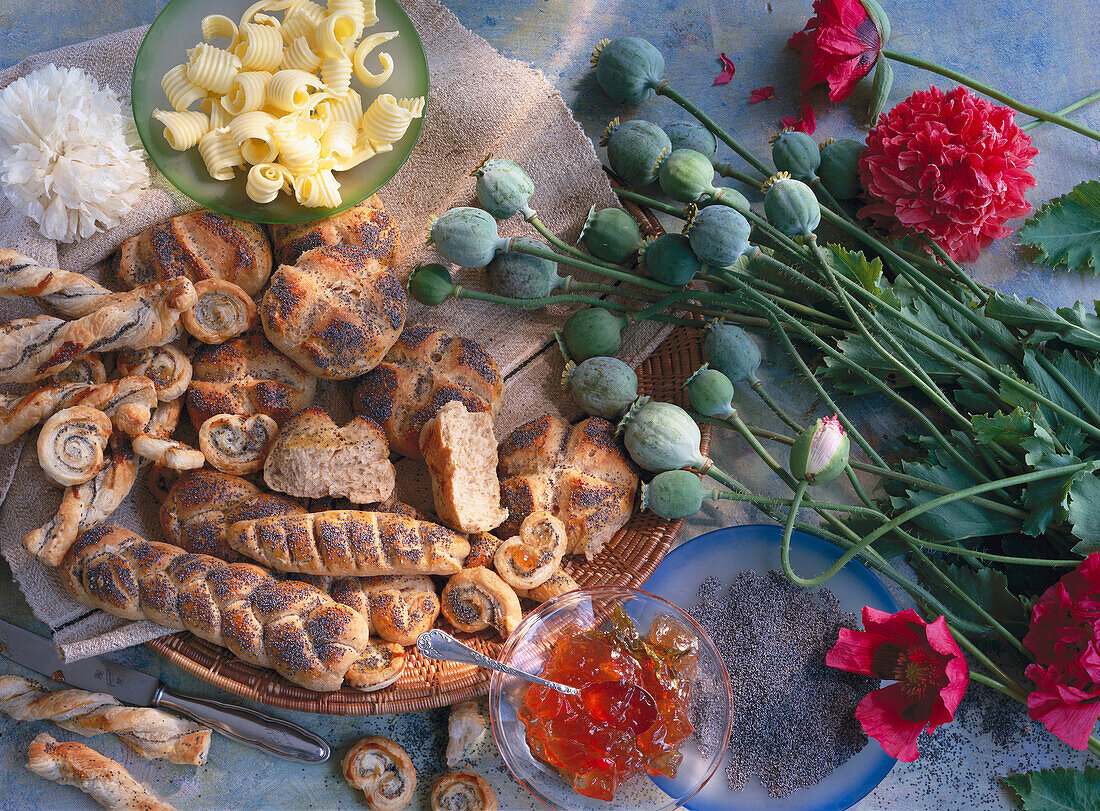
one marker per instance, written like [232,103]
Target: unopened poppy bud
[821,451]
[431,284]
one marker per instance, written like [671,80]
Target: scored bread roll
[461,453]
[105,781]
[312,457]
[350,543]
[151,733]
[336,312]
[364,225]
[200,245]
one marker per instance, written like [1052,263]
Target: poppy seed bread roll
[336,312]
[350,543]
[364,226]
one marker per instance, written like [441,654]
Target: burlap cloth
[480,103]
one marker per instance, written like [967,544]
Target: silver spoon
[628,706]
[440,645]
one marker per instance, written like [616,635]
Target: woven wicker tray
[627,560]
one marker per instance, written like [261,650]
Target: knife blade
[265,732]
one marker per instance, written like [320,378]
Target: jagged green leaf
[868,275]
[1057,789]
[1046,500]
[1066,230]
[954,521]
[1084,513]
[1003,429]
[1073,325]
[988,588]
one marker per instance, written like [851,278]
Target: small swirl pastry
[465,726]
[475,599]
[483,545]
[378,666]
[463,791]
[167,366]
[235,444]
[402,607]
[159,480]
[222,312]
[527,560]
[383,771]
[88,370]
[71,443]
[168,452]
[559,583]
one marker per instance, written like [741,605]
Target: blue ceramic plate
[723,554]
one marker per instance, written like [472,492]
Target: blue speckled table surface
[1045,52]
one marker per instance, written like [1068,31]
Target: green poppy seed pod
[603,387]
[628,68]
[718,235]
[611,234]
[504,188]
[692,135]
[839,170]
[791,206]
[431,284]
[820,453]
[520,275]
[710,393]
[688,176]
[732,351]
[592,332]
[467,236]
[669,259]
[634,148]
[673,494]
[661,436]
[796,153]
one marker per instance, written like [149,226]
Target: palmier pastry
[87,369]
[530,558]
[311,457]
[379,665]
[222,311]
[402,607]
[383,771]
[71,444]
[200,245]
[425,370]
[247,376]
[235,444]
[560,582]
[463,791]
[203,504]
[364,225]
[465,726]
[167,366]
[475,599]
[335,313]
[579,473]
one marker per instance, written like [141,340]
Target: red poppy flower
[765,93]
[929,672]
[1065,638]
[950,165]
[728,70]
[839,45]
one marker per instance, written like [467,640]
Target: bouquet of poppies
[995,498]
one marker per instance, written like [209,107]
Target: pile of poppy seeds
[793,715]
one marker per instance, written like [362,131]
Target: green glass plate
[178,27]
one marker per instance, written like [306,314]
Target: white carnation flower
[64,160]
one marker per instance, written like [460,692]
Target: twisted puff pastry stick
[153,734]
[71,294]
[34,348]
[74,764]
[20,414]
[93,502]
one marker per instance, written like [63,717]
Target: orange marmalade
[597,748]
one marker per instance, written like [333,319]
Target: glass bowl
[178,27]
[528,648]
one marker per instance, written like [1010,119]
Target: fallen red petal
[807,123]
[727,70]
[765,93]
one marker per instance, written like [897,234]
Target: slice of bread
[313,458]
[461,453]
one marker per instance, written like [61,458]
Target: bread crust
[364,226]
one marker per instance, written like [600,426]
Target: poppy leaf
[1066,231]
[1056,789]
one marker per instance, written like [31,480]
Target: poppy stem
[985,89]
[1069,108]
